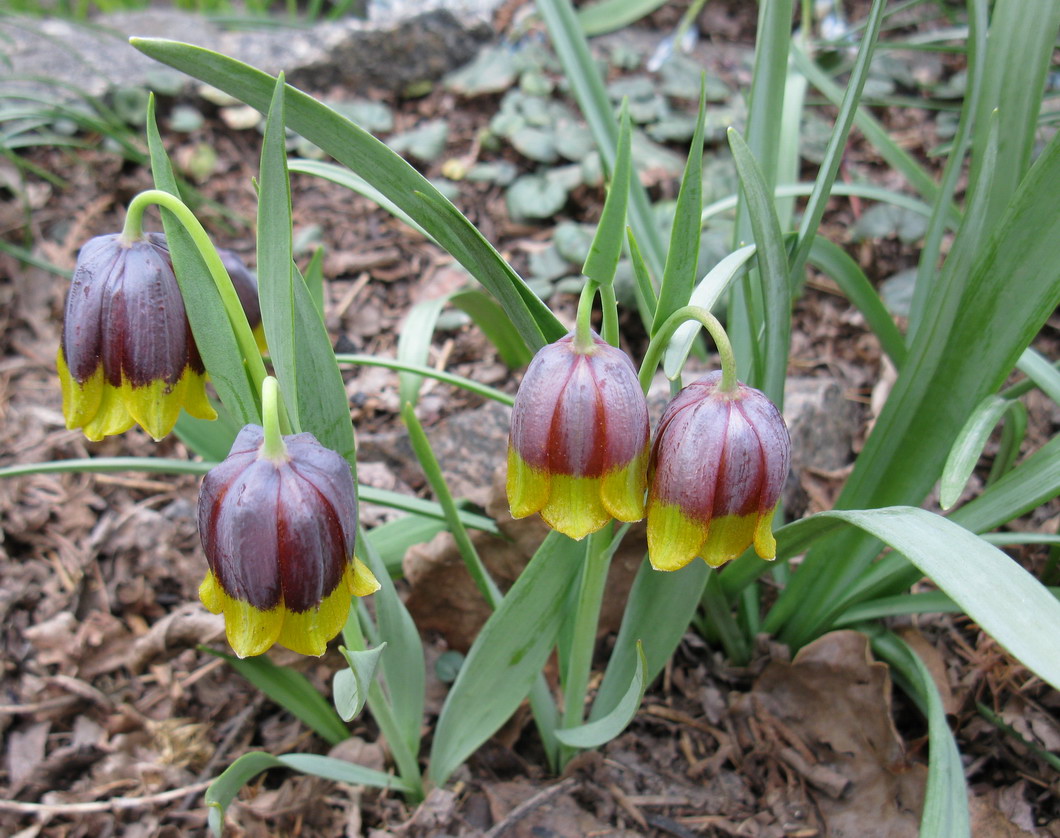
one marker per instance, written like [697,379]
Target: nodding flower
[717,468]
[577,451]
[127,355]
[279,531]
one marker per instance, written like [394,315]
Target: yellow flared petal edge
[728,537]
[100,409]
[528,488]
[250,631]
[574,507]
[765,543]
[622,490]
[674,539]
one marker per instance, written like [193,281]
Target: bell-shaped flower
[577,451]
[718,464]
[127,355]
[279,533]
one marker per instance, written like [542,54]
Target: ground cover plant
[995,289]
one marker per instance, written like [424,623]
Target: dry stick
[527,806]
[100,805]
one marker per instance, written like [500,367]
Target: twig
[120,803]
[527,806]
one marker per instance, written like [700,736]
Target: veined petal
[156,406]
[622,489]
[250,631]
[727,537]
[112,417]
[574,507]
[528,487]
[674,539]
[308,632]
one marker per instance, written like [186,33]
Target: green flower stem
[407,765]
[609,304]
[583,338]
[709,322]
[133,231]
[583,638]
[274,448]
[429,372]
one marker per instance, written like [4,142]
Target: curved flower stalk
[127,355]
[278,522]
[717,468]
[577,451]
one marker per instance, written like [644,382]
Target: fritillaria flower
[278,529]
[127,355]
[718,464]
[578,446]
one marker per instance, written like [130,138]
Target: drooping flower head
[279,533]
[127,355]
[577,451]
[717,468]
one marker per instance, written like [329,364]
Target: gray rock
[400,43]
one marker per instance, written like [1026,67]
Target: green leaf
[381,168]
[404,668]
[209,323]
[658,611]
[968,448]
[772,269]
[292,691]
[682,256]
[589,90]
[609,15]
[1005,600]
[393,539]
[946,797]
[602,261]
[223,790]
[314,280]
[705,295]
[506,657]
[350,686]
[211,440]
[603,730]
[833,156]
[1041,372]
[837,263]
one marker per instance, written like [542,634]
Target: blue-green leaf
[607,727]
[350,686]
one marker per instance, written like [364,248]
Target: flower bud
[717,468]
[279,534]
[127,355]
[577,451]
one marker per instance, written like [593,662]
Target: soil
[115,717]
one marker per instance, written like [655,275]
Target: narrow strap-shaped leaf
[507,656]
[658,611]
[606,248]
[292,691]
[588,88]
[682,256]
[403,663]
[223,790]
[209,323]
[381,167]
[946,796]
[990,587]
[1013,432]
[350,685]
[275,253]
[705,295]
[1044,374]
[772,266]
[968,448]
[609,15]
[927,267]
[429,372]
[603,730]
[1020,50]
[833,154]
[837,263]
